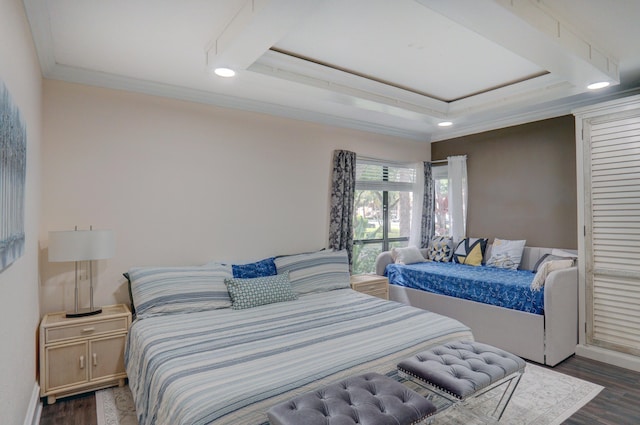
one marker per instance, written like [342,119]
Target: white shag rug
[543,397]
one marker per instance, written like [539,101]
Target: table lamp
[81,245]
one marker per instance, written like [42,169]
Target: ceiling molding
[545,87]
[38,17]
[291,68]
[110,81]
[117,82]
[388,110]
[548,111]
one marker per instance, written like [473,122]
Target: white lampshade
[81,245]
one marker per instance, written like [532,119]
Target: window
[382,210]
[442,218]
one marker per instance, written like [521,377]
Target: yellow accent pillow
[474,258]
[470,251]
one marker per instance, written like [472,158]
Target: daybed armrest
[384,259]
[561,314]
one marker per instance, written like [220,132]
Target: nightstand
[371,284]
[83,353]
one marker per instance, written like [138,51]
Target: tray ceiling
[396,67]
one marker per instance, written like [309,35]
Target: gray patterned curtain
[343,190]
[428,207]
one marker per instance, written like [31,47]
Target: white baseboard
[614,358]
[35,407]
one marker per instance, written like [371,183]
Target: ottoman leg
[506,396]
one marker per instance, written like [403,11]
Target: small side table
[371,284]
[84,353]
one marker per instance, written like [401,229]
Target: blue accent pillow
[266,267]
[248,293]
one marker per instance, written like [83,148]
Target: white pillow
[506,254]
[564,253]
[545,269]
[408,255]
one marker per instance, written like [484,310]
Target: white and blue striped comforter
[229,366]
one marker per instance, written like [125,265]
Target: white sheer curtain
[457,173]
[415,237]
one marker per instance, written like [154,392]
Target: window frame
[385,186]
[441,172]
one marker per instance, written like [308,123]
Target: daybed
[548,336]
[209,347]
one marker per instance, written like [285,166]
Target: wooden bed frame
[546,339]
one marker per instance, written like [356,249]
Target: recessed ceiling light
[224,72]
[598,85]
[445,124]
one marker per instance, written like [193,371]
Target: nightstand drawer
[369,287]
[371,284]
[380,293]
[61,333]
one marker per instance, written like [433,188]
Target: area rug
[544,397]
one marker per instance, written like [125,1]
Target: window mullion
[385,220]
[385,211]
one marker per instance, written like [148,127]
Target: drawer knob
[91,329]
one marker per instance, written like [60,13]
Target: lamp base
[84,312]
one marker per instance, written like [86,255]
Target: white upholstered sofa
[546,339]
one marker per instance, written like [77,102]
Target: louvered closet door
[612,165]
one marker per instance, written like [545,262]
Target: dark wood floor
[76,410]
[617,404]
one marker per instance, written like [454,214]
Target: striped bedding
[229,366]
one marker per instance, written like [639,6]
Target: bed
[228,366]
[541,326]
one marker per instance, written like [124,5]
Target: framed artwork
[13,169]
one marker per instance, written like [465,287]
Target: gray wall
[522,182]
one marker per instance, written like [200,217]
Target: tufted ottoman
[368,399]
[461,370]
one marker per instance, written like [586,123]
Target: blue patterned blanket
[489,285]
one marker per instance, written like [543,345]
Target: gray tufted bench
[461,370]
[368,399]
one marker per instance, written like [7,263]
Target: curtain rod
[439,161]
[384,161]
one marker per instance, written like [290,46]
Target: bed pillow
[439,249]
[546,268]
[260,268]
[131,304]
[470,251]
[319,271]
[408,255]
[506,254]
[161,290]
[549,257]
[248,293]
[569,253]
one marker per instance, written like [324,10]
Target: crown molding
[542,112]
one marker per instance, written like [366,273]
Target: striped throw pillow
[319,271]
[161,290]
